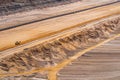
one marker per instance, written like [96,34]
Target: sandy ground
[95,65]
[34,61]
[41,29]
[102,63]
[37,14]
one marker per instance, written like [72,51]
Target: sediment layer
[13,6]
[50,53]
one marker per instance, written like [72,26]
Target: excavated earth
[53,52]
[37,61]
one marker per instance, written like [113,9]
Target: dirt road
[43,14]
[30,32]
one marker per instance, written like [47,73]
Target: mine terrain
[59,39]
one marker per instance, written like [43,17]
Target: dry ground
[37,14]
[30,32]
[102,63]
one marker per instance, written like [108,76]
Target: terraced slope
[101,63]
[48,58]
[39,50]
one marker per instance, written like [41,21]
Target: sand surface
[37,14]
[37,30]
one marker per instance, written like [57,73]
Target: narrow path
[23,34]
